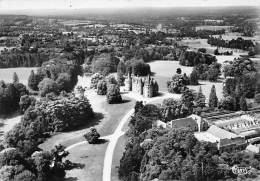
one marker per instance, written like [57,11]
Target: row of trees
[238,43]
[191,58]
[16,58]
[58,74]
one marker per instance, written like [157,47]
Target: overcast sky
[65,4]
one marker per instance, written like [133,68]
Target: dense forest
[19,58]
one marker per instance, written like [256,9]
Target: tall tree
[213,99]
[15,78]
[33,81]
[200,99]
[243,104]
[194,78]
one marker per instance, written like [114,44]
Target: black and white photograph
[129,90]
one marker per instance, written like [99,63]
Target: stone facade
[147,87]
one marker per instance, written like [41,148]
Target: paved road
[113,138]
[107,167]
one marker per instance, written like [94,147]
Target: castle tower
[128,82]
[148,88]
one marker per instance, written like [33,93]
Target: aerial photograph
[129,90]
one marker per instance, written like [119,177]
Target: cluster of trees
[191,58]
[58,74]
[178,83]
[238,43]
[216,52]
[51,114]
[41,165]
[206,72]
[105,63]
[17,58]
[137,67]
[240,83]
[108,86]
[174,154]
[10,94]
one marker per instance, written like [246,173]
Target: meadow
[22,72]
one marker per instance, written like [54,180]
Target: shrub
[92,136]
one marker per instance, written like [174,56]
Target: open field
[195,44]
[166,69]
[22,72]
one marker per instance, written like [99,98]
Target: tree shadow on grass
[101,141]
[91,122]
[76,166]
[71,179]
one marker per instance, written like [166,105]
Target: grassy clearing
[90,158]
[22,72]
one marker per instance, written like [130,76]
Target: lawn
[22,72]
[118,153]
[90,159]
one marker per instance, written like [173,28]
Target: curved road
[107,167]
[113,138]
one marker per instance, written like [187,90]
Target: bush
[93,136]
[113,94]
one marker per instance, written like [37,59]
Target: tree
[92,136]
[15,78]
[243,104]
[213,99]
[102,87]
[200,99]
[120,79]
[194,78]
[121,68]
[25,102]
[64,82]
[46,86]
[113,94]
[110,79]
[33,81]
[178,71]
[187,99]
